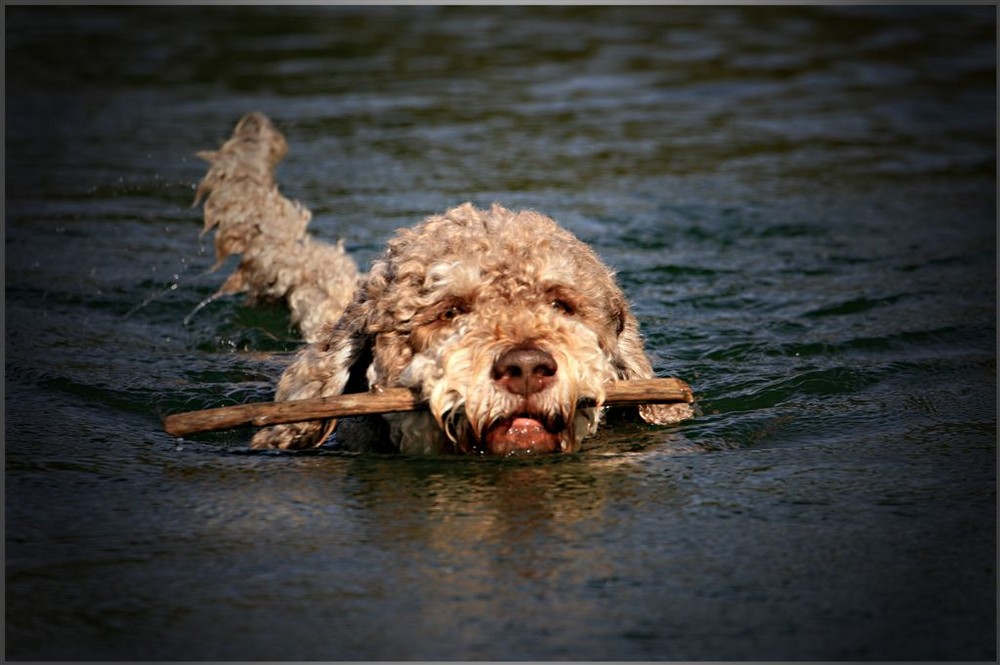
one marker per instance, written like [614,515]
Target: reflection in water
[527,518]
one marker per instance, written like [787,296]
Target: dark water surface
[801,203]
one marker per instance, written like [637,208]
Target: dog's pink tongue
[520,436]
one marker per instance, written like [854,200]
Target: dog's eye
[450,313]
[562,307]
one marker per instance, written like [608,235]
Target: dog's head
[502,321]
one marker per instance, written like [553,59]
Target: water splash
[204,303]
[174,286]
[153,298]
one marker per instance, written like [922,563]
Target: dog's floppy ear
[631,362]
[323,369]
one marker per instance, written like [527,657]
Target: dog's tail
[279,261]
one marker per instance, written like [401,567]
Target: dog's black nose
[525,370]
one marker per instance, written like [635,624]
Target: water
[801,203]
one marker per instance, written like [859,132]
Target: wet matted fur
[502,320]
[279,260]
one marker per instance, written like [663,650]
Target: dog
[502,320]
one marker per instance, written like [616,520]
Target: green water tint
[800,202]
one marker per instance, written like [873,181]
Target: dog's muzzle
[524,371]
[518,413]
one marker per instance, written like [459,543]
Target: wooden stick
[388,400]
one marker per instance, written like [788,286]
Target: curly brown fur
[503,321]
[279,260]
